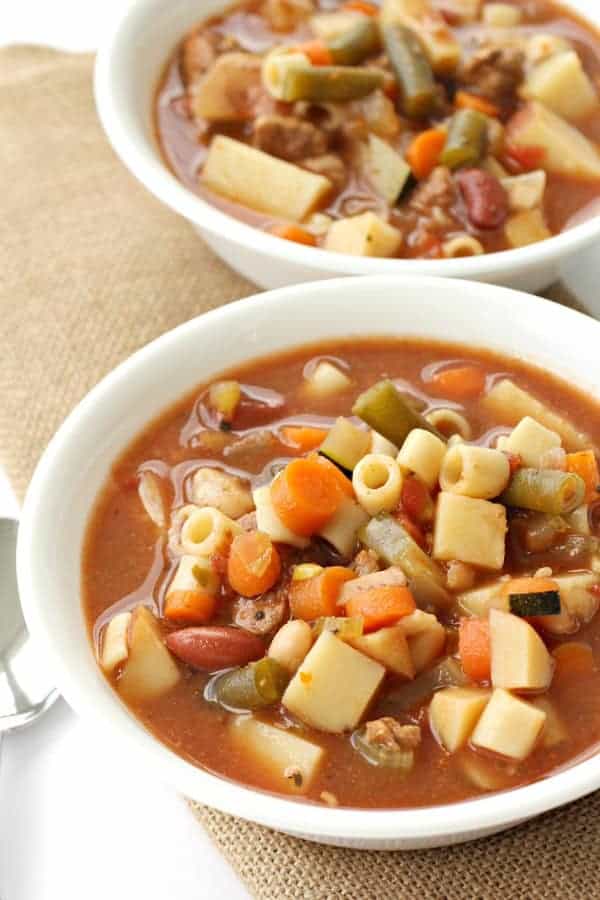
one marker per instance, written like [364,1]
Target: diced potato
[567,151]
[426,646]
[509,403]
[561,83]
[480,600]
[525,228]
[290,760]
[387,170]
[554,732]
[150,669]
[541,46]
[440,45]
[481,772]
[115,649]
[389,647]
[508,726]
[327,379]
[501,15]
[469,530]
[525,191]
[217,95]
[328,26]
[520,660]
[454,713]
[240,172]
[334,685]
[531,441]
[342,528]
[417,622]
[363,235]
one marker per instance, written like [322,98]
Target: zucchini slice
[544,603]
[345,445]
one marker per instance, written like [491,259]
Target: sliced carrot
[474,648]
[381,606]
[523,159]
[317,596]
[306,494]
[191,607]
[573,658]
[305,438]
[459,382]
[415,499]
[585,465]
[465,100]
[254,564]
[424,151]
[317,51]
[294,233]
[344,483]
[528,585]
[361,6]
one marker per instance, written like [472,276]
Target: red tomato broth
[124,564]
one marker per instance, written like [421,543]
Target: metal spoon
[25,689]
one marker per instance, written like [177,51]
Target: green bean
[545,490]
[258,684]
[356,44]
[380,755]
[466,138]
[412,70]
[446,673]
[323,84]
[386,411]
[394,545]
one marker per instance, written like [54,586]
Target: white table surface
[74,821]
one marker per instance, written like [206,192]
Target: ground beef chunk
[437,190]
[329,165]
[288,137]
[389,733]
[366,562]
[261,615]
[494,72]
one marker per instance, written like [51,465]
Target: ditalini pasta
[206,531]
[377,483]
[261,181]
[422,453]
[462,245]
[450,422]
[474,471]
[530,441]
[511,403]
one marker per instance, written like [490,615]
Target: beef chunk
[288,138]
[437,190]
[389,733]
[329,165]
[494,72]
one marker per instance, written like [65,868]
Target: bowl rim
[433,824]
[151,170]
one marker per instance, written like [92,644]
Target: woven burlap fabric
[91,267]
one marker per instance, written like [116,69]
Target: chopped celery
[343,627]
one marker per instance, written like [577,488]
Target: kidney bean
[215,647]
[485,198]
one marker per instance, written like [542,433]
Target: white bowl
[77,462]
[128,68]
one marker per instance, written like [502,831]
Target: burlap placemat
[91,267]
